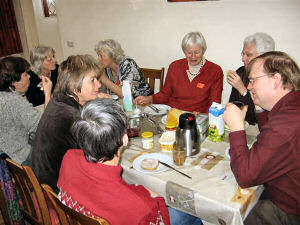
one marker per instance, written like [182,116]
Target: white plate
[115,97]
[162,157]
[164,119]
[163,109]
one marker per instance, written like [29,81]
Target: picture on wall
[189,0]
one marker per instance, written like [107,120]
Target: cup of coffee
[179,156]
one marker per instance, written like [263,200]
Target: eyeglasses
[246,54]
[251,80]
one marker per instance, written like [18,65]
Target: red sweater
[274,159]
[198,95]
[102,191]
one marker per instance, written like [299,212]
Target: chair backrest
[67,215]
[3,207]
[152,74]
[33,203]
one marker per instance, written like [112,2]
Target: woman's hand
[46,84]
[234,117]
[235,81]
[104,95]
[143,100]
[110,85]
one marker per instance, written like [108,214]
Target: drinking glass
[179,156]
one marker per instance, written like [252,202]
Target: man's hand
[234,117]
[235,81]
[143,100]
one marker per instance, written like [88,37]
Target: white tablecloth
[212,195]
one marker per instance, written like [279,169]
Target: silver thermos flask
[187,137]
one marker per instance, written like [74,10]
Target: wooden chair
[3,207]
[68,216]
[152,74]
[33,203]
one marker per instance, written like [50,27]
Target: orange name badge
[200,85]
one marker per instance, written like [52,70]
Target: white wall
[35,29]
[150,31]
[47,27]
[26,25]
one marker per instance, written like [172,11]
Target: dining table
[211,193]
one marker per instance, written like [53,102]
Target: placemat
[180,197]
[210,160]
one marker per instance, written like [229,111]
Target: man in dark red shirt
[274,83]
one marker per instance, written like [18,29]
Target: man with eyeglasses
[254,45]
[273,159]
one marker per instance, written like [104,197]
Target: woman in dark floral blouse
[119,67]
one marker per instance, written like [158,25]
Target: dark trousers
[267,213]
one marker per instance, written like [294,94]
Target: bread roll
[173,116]
[149,164]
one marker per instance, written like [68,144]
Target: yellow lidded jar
[147,140]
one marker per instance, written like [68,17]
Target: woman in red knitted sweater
[192,83]
[90,178]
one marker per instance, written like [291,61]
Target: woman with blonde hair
[77,84]
[43,64]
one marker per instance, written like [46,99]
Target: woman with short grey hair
[100,132]
[191,39]
[119,67]
[262,41]
[192,83]
[253,46]
[44,64]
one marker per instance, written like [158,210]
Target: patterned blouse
[129,70]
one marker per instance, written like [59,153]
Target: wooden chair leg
[3,207]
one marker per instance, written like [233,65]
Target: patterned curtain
[10,42]
[46,8]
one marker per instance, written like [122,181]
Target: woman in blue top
[119,67]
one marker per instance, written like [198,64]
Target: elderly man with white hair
[273,160]
[254,45]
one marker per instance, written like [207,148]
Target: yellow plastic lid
[147,134]
[171,124]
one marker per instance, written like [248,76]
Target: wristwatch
[259,110]
[245,93]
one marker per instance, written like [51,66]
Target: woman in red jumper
[90,178]
[192,83]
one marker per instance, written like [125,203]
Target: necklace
[193,74]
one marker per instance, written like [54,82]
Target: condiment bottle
[147,140]
[127,100]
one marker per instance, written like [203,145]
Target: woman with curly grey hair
[43,63]
[119,67]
